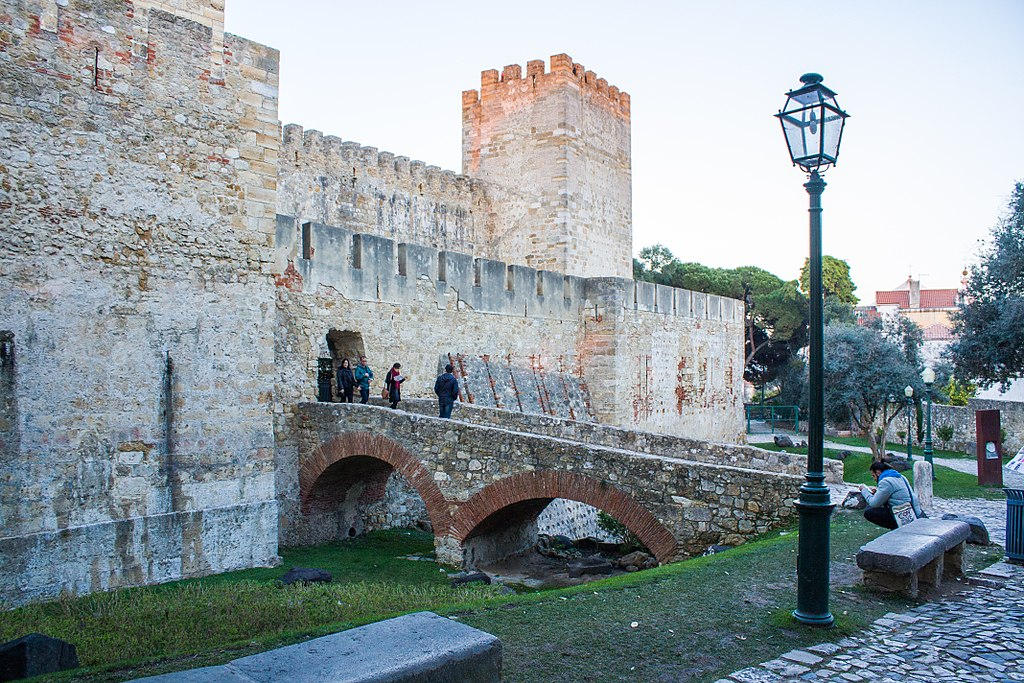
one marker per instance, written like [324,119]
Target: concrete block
[284,234]
[643,295]
[457,271]
[663,299]
[490,286]
[950,533]
[699,305]
[923,484]
[415,261]
[421,647]
[714,307]
[898,553]
[682,301]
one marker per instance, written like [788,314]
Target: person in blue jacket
[447,389]
[893,489]
[363,376]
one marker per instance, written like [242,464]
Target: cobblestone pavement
[975,635]
[991,512]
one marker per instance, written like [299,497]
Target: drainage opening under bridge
[549,543]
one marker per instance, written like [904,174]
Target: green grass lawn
[221,617]
[699,619]
[949,483]
[899,447]
[696,620]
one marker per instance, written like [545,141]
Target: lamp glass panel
[833,128]
[803,132]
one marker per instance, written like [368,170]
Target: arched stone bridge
[483,486]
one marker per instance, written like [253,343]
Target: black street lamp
[909,393]
[928,376]
[813,125]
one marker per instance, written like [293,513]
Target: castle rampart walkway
[734,455]
[484,485]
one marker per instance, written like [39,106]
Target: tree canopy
[776,310]
[989,323]
[863,368]
[836,282]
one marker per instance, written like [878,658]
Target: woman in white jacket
[893,489]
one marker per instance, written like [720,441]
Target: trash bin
[1015,525]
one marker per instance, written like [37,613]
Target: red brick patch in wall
[355,444]
[552,484]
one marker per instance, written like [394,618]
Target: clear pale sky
[935,90]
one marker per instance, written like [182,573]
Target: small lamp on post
[928,376]
[812,123]
[909,393]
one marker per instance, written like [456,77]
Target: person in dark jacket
[393,382]
[346,381]
[363,375]
[447,389]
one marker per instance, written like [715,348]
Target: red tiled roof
[893,296]
[938,298]
[937,331]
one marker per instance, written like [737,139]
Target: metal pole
[928,431]
[910,452]
[815,505]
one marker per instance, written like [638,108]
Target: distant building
[931,309]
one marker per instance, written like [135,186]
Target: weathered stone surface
[34,655]
[635,440]
[136,296]
[979,532]
[923,484]
[421,647]
[469,577]
[305,575]
[898,553]
[180,274]
[469,506]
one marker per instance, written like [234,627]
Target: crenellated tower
[554,148]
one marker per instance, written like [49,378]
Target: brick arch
[553,484]
[366,444]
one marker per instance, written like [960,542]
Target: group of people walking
[446,386]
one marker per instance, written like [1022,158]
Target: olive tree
[863,368]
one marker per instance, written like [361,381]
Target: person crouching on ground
[893,489]
[346,381]
[447,389]
[393,382]
[363,375]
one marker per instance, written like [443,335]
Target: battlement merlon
[206,12]
[563,70]
[365,267]
[345,157]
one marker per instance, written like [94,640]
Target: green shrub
[945,433]
[627,538]
[901,435]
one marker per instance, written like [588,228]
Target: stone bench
[421,647]
[925,551]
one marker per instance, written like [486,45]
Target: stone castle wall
[962,419]
[413,304]
[137,205]
[160,321]
[323,179]
[560,140]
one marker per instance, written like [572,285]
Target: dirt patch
[532,570]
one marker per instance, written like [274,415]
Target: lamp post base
[813,558]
